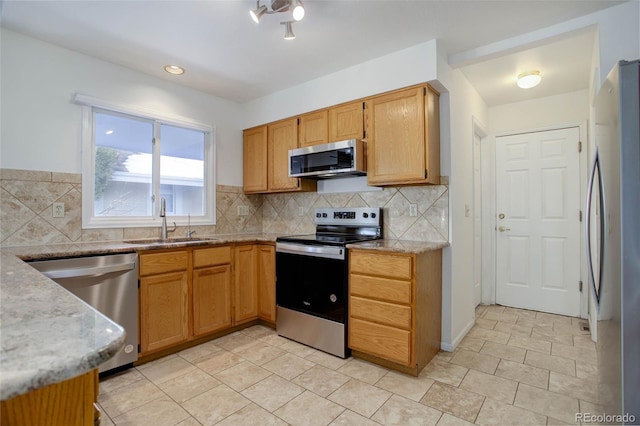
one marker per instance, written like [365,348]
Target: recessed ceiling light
[529,79]
[174,69]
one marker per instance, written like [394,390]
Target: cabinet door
[313,129]
[346,122]
[164,318]
[211,299]
[267,282]
[255,166]
[282,137]
[396,138]
[245,284]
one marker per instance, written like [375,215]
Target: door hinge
[580,215]
[580,286]
[579,146]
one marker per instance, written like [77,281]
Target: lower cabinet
[267,283]
[395,307]
[245,285]
[211,290]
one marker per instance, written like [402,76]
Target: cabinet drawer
[381,312]
[380,340]
[386,265]
[211,256]
[380,288]
[157,263]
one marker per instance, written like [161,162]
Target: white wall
[41,128]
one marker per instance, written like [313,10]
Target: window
[133,158]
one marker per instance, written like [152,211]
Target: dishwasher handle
[89,272]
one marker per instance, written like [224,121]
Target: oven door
[312,279]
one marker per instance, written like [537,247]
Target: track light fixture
[279,6]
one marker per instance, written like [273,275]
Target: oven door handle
[328,252]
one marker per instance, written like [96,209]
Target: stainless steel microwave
[328,160]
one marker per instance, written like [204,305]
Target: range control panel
[359,216]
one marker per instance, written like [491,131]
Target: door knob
[502,229]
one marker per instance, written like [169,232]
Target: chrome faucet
[163,215]
[189,231]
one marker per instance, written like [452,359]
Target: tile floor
[513,367]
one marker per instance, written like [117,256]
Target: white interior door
[477,220]
[538,223]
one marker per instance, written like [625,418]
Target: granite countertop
[45,343]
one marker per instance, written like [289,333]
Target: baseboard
[450,347]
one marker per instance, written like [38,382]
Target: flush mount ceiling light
[174,69]
[529,79]
[280,6]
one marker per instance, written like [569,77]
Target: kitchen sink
[157,241]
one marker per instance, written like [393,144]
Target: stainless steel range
[312,277]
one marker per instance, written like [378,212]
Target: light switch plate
[58,210]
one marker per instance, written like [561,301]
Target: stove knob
[365,215]
[373,215]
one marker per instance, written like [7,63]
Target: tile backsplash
[27,197]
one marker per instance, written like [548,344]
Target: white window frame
[89,220]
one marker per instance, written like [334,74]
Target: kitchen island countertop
[399,246]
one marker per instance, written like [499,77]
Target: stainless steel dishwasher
[109,283]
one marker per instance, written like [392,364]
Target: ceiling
[227,55]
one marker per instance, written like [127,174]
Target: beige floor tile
[504,351]
[585,370]
[491,335]
[555,422]
[118,380]
[129,397]
[552,336]
[574,329]
[455,401]
[535,323]
[363,370]
[219,361]
[258,331]
[449,420]
[446,355]
[241,376]
[480,309]
[349,418]
[410,387]
[260,353]
[495,308]
[546,403]
[521,313]
[196,353]
[326,360]
[444,372]
[584,341]
[498,413]
[486,323]
[309,409]
[405,412]
[188,422]
[188,385]
[491,386]
[517,329]
[297,349]
[471,344]
[216,404]
[274,340]
[530,344]
[557,319]
[321,380]
[272,392]
[159,412]
[360,397]
[522,373]
[163,369]
[551,362]
[252,415]
[476,361]
[105,420]
[503,317]
[575,353]
[573,387]
[235,342]
[288,366]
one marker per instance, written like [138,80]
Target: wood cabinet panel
[381,340]
[380,312]
[245,284]
[164,310]
[313,129]
[282,136]
[386,265]
[255,160]
[346,122]
[211,299]
[267,282]
[380,288]
[158,263]
[211,256]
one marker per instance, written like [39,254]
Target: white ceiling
[228,55]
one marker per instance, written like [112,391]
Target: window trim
[89,220]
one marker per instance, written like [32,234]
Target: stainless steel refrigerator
[613,242]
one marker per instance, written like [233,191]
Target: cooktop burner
[331,240]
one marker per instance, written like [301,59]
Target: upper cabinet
[254,171]
[313,129]
[346,122]
[403,137]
